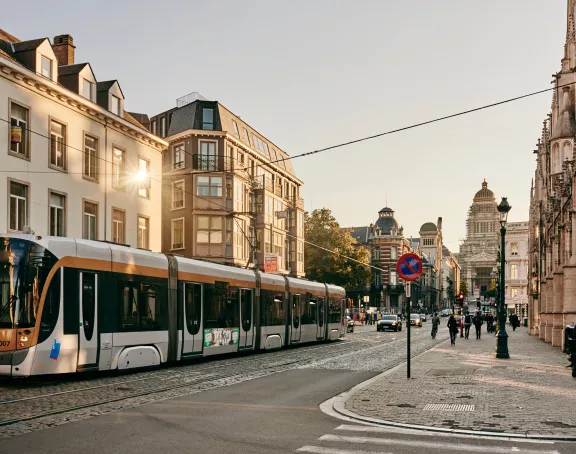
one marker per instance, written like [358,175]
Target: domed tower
[479,251]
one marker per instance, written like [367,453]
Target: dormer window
[87,89]
[46,67]
[115,105]
[208,119]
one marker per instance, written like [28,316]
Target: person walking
[467,324]
[453,328]
[435,324]
[478,321]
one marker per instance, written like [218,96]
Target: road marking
[420,433]
[431,445]
[320,450]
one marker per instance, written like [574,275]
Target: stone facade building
[386,241]
[517,268]
[552,246]
[74,161]
[450,276]
[479,251]
[430,247]
[230,194]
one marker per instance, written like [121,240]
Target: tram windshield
[24,267]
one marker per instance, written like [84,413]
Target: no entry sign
[409,267]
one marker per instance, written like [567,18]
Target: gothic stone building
[552,247]
[479,251]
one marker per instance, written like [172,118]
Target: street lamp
[502,338]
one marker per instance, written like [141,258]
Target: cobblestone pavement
[530,393]
[59,397]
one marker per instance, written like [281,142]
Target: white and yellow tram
[70,305]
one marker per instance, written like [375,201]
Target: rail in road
[41,403]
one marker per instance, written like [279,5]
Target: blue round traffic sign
[409,267]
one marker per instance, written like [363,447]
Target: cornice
[49,89]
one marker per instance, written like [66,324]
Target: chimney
[64,49]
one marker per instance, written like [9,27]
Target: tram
[70,305]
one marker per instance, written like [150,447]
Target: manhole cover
[448,407]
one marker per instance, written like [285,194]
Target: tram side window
[333,310]
[88,303]
[142,307]
[193,307]
[321,305]
[310,311]
[273,313]
[221,307]
[51,308]
[246,295]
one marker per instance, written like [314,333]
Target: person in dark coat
[453,328]
[478,321]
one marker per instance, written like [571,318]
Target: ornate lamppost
[502,338]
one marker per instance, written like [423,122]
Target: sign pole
[408,311]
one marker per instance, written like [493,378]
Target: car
[392,322]
[350,325]
[423,317]
[416,320]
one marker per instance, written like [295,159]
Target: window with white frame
[300,225]
[177,233]
[178,156]
[376,254]
[514,271]
[57,214]
[118,168]
[300,256]
[207,118]
[236,132]
[393,278]
[209,229]
[87,89]
[178,194]
[90,157]
[46,67]
[57,144]
[19,117]
[393,252]
[90,221]
[239,238]
[278,244]
[115,104]
[18,206]
[246,136]
[143,232]
[267,240]
[269,210]
[207,159]
[144,174]
[118,226]
[239,195]
[209,186]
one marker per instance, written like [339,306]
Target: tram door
[296,306]
[246,317]
[192,333]
[88,337]
[321,318]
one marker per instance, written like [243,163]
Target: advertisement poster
[218,337]
[271,262]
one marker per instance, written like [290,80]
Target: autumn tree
[339,260]
[464,288]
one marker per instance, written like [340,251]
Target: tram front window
[24,267]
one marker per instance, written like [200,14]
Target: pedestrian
[478,321]
[467,324]
[453,328]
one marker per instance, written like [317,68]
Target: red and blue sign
[409,267]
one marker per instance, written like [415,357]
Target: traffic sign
[409,267]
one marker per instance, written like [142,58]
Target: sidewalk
[532,393]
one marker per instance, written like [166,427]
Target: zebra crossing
[360,439]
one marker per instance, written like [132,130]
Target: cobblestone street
[24,402]
[530,393]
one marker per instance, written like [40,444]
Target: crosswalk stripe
[321,450]
[431,445]
[381,430]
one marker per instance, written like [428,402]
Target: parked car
[392,322]
[350,325]
[416,320]
[423,317]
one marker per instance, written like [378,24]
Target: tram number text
[4,343]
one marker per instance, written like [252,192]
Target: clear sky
[309,74]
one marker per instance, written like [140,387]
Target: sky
[311,74]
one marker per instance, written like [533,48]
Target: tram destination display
[218,337]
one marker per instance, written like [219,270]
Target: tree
[450,288]
[464,288]
[340,267]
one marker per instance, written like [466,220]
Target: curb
[338,404]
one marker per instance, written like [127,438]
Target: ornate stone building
[430,247]
[479,251]
[517,268]
[552,246]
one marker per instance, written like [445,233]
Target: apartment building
[74,162]
[230,194]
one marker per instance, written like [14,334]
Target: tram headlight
[23,338]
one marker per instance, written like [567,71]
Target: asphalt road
[274,413]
